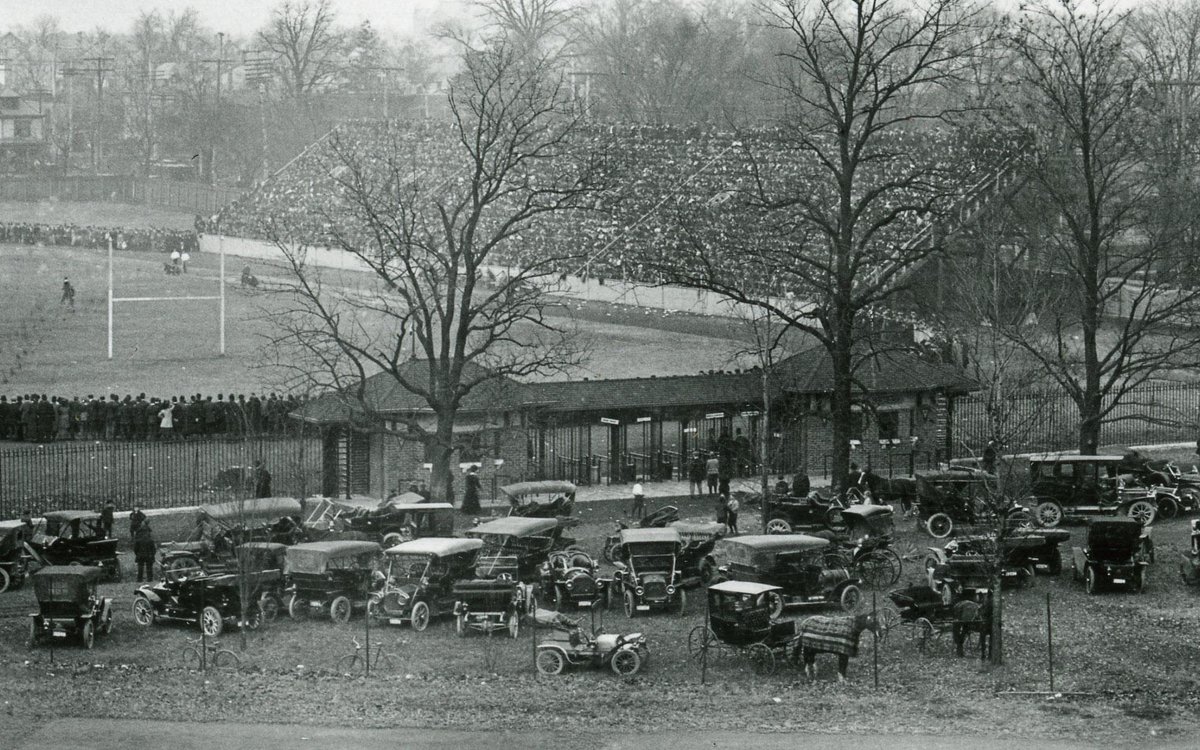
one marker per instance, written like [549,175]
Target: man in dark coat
[136,519]
[106,518]
[800,484]
[262,480]
[144,549]
[471,493]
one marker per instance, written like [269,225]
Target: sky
[233,17]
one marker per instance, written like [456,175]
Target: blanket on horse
[830,635]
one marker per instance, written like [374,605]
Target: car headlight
[640,590]
[670,589]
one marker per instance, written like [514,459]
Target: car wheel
[297,607]
[340,609]
[107,626]
[254,620]
[460,626]
[630,604]
[708,570]
[5,580]
[1029,572]
[1090,584]
[420,616]
[180,567]
[35,631]
[269,606]
[682,601]
[560,599]
[211,622]
[947,594]
[88,634]
[931,563]
[775,604]
[514,625]
[550,661]
[626,662]
[779,526]
[1142,511]
[1167,507]
[851,597]
[1048,514]
[939,525]
[1139,581]
[610,551]
[143,611]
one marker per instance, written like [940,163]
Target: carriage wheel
[876,571]
[896,561]
[1048,514]
[939,525]
[922,633]
[762,659]
[889,616]
[697,643]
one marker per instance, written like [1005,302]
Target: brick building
[23,136]
[611,431]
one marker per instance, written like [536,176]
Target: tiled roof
[634,393]
[887,371]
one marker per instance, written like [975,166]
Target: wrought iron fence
[152,474]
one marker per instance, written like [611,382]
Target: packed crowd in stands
[71,235]
[41,418]
[672,189]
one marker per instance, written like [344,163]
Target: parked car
[1064,485]
[420,578]
[699,536]
[664,516]
[567,643]
[394,523]
[1189,568]
[866,546]
[786,514]
[797,563]
[338,576]
[1022,553]
[490,604]
[962,577]
[571,579]
[545,499]
[221,528]
[266,561]
[213,601]
[14,559]
[1175,491]
[648,575]
[963,496]
[1117,554]
[74,537]
[517,546]
[69,606]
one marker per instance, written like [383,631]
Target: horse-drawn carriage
[797,564]
[743,618]
[866,546]
[929,615]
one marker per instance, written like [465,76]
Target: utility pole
[100,68]
[214,125]
[387,85]
[258,73]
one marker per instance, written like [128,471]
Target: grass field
[1134,656]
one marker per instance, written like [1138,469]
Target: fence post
[196,474]
[1049,642]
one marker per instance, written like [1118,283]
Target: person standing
[731,514]
[106,518]
[144,549]
[68,294]
[471,493]
[262,480]
[136,519]
[166,421]
[638,509]
[712,471]
[801,485]
[722,508]
[184,257]
[989,457]
[696,476]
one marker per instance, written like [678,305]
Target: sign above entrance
[609,420]
[715,415]
[689,430]
[644,419]
[754,413]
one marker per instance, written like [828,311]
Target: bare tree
[535,23]
[304,36]
[1107,322]
[431,224]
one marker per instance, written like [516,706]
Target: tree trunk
[842,359]
[441,449]
[997,613]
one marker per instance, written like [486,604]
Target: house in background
[23,134]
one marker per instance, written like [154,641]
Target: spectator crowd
[71,235]
[41,418]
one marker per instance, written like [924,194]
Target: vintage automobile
[866,546]
[1117,554]
[68,605]
[393,523]
[743,616]
[664,516]
[963,496]
[14,560]
[74,537]
[1023,552]
[517,546]
[1189,568]
[491,604]
[571,579]
[220,528]
[231,479]
[545,499]
[420,579]
[270,588]
[647,575]
[797,563]
[212,600]
[340,576]
[786,515]
[699,536]
[1065,485]
[962,577]
[567,643]
[1175,491]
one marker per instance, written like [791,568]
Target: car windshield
[409,566]
[646,563]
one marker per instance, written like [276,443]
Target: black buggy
[743,618]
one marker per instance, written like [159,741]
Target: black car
[68,605]
[1021,554]
[420,578]
[648,575]
[75,537]
[1063,485]
[1117,554]
[963,496]
[798,564]
[13,561]
[212,601]
[516,546]
[219,529]
[571,579]
[803,514]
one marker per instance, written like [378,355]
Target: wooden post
[875,640]
[704,640]
[1049,642]
[366,626]
[532,634]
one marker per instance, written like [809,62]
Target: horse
[893,490]
[970,617]
[833,635]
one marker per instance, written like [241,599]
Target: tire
[779,526]
[939,525]
[630,604]
[514,625]
[349,664]
[297,607]
[1142,511]
[420,617]
[1139,581]
[5,580]
[180,567]
[1030,573]
[255,619]
[550,661]
[88,635]
[1167,508]
[340,610]
[560,599]
[143,611]
[947,594]
[610,551]
[897,563]
[107,626]
[1054,566]
[850,598]
[775,602]
[682,601]
[392,539]
[460,626]
[708,570]
[211,622]
[191,658]
[1048,514]
[931,564]
[1090,584]
[226,659]
[626,662]
[761,659]
[269,606]
[610,596]
[35,631]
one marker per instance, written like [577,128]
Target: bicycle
[218,658]
[357,661]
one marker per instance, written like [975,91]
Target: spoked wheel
[1048,514]
[876,570]
[630,604]
[420,616]
[1090,583]
[626,662]
[460,626]
[923,632]
[1018,520]
[897,563]
[254,620]
[514,625]
[211,622]
[851,597]
[762,659]
[143,611]
[5,580]
[1029,572]
[889,616]
[340,609]
[779,526]
[682,606]
[297,608]
[1142,511]
[775,602]
[1167,507]
[550,661]
[939,525]
[180,567]
[269,606]
[88,634]
[697,643]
